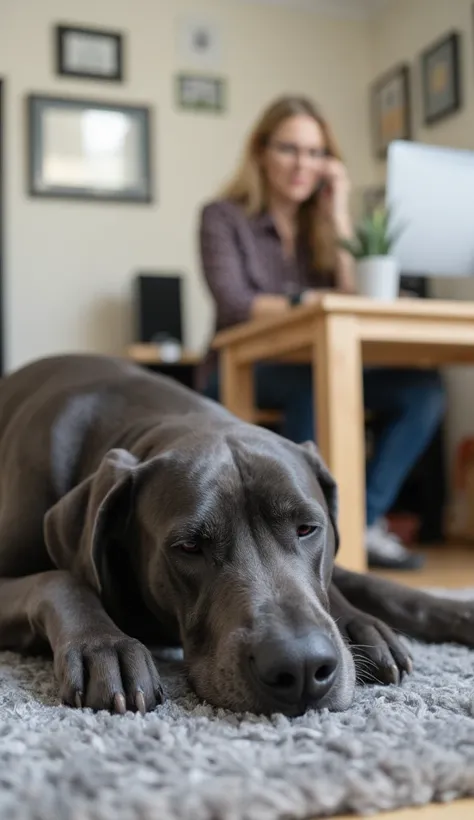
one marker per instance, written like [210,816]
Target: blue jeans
[413,401]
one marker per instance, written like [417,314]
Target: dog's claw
[120,705]
[395,674]
[409,666]
[140,703]
[78,700]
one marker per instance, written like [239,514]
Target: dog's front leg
[95,663]
[410,611]
[379,655]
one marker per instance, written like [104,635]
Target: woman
[271,242]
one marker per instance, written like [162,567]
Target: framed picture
[89,53]
[390,98]
[441,78]
[196,92]
[85,149]
[199,43]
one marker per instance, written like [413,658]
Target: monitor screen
[430,191]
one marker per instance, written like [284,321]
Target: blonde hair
[248,189]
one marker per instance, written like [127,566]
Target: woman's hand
[310,297]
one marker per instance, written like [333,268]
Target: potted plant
[377,271]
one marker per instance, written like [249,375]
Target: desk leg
[337,376]
[237,386]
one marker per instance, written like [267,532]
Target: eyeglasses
[292,151]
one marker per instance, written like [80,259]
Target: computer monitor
[431,192]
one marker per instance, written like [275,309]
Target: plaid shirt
[242,257]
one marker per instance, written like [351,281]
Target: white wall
[400,34]
[69,265]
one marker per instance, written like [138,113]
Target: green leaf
[396,232]
[374,235]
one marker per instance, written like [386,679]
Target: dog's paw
[107,671]
[379,655]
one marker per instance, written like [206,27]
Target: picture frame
[199,92]
[441,78]
[199,43]
[390,108]
[88,150]
[89,53]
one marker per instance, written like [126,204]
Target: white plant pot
[378,277]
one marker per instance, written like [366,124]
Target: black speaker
[158,307]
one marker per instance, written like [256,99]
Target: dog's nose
[296,670]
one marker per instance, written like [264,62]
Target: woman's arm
[345,266]
[223,267]
[268,304]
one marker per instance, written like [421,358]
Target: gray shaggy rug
[397,746]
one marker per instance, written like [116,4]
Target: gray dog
[136,513]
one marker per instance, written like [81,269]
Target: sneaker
[385,550]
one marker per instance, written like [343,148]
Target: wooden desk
[337,337]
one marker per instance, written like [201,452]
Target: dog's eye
[189,547]
[304,530]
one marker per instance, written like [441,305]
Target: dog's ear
[81,522]
[327,482]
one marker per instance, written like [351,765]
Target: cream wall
[400,34]
[69,265]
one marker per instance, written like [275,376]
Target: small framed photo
[89,53]
[86,149]
[390,98]
[199,43]
[196,92]
[441,78]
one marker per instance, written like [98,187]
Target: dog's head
[231,535]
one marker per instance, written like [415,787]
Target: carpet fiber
[397,746]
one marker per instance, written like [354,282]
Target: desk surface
[358,306]
[405,332]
